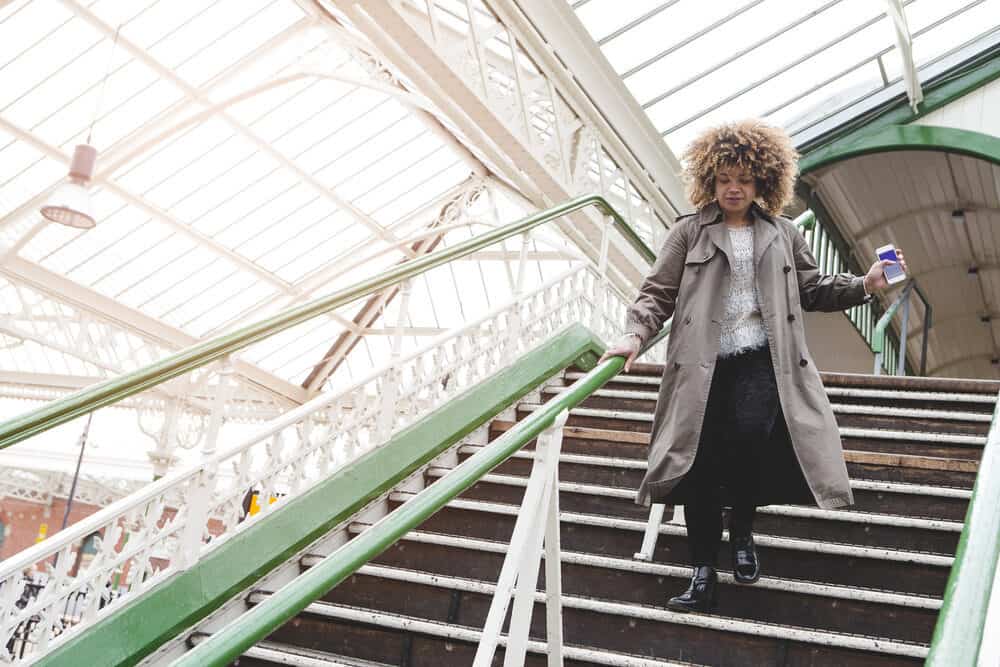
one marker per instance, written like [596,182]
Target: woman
[742,419]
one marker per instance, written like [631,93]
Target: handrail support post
[901,363]
[387,410]
[537,523]
[601,291]
[199,496]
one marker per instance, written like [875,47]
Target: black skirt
[744,452]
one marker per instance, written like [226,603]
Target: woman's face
[735,189]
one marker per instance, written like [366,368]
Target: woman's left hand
[875,278]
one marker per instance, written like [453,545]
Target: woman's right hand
[626,346]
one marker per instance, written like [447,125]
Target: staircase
[857,586]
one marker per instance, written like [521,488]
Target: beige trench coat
[689,280]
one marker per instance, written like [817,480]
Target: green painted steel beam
[111,391]
[961,622]
[906,137]
[939,92]
[136,630]
[229,643]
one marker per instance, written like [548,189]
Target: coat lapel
[764,233]
[711,220]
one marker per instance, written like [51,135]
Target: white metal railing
[170,524]
[537,526]
[489,58]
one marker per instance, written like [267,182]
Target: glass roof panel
[692,64]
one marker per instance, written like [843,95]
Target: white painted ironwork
[541,133]
[169,524]
[537,525]
[43,486]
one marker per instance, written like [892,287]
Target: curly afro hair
[765,150]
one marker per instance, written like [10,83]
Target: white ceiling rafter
[63,290]
[168,75]
[351,258]
[942,209]
[149,209]
[166,124]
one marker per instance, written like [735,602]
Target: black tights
[704,527]
[741,412]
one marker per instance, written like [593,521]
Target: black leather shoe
[701,595]
[746,567]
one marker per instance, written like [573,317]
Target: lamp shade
[70,203]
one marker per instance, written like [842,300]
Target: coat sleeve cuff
[644,333]
[858,292]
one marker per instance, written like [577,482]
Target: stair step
[919,443]
[862,386]
[861,381]
[911,572]
[883,434]
[877,466]
[647,399]
[892,498]
[771,599]
[621,625]
[271,653]
[847,415]
[648,389]
[429,642]
[842,526]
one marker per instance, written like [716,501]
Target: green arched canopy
[905,138]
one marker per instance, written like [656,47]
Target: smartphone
[894,272]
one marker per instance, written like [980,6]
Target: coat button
[786,268]
[791,318]
[803,362]
[687,320]
[677,364]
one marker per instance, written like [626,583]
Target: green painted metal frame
[907,138]
[128,635]
[961,623]
[105,393]
[938,92]
[230,642]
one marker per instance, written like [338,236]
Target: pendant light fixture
[70,203]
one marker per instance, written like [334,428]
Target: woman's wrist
[638,337]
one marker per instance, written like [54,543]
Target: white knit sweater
[742,328]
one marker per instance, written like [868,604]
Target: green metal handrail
[961,623]
[110,391]
[878,336]
[229,643]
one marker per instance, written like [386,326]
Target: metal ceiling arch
[831,160]
[910,137]
[960,360]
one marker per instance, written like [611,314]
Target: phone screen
[892,270]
